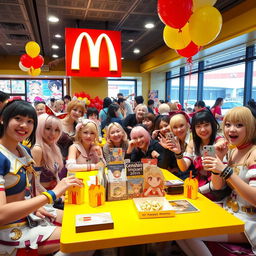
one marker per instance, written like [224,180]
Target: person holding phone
[239,173]
[180,129]
[18,197]
[204,132]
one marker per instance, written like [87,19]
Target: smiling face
[141,140]
[40,109]
[235,132]
[115,135]
[203,130]
[148,124]
[140,112]
[76,113]
[179,126]
[51,132]
[87,135]
[164,127]
[19,128]
[154,181]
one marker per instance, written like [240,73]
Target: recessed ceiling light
[8,44]
[57,36]
[136,51]
[55,56]
[149,25]
[55,46]
[53,19]
[130,40]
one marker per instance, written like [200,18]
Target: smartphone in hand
[208,150]
[170,137]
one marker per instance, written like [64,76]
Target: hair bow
[176,112]
[82,122]
[50,112]
[199,110]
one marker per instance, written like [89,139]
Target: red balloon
[38,62]
[190,50]
[26,61]
[174,13]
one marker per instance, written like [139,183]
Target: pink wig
[51,153]
[139,130]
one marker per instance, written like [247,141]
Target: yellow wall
[92,86]
[236,21]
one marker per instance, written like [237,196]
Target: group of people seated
[34,180]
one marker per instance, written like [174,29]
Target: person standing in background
[66,100]
[216,109]
[4,97]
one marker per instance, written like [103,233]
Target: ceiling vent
[12,26]
[19,37]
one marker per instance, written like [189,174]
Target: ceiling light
[130,40]
[53,19]
[122,58]
[149,25]
[55,46]
[55,56]
[57,36]
[136,51]
[8,44]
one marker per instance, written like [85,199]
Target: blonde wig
[242,115]
[110,126]
[86,123]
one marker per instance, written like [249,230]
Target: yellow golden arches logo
[94,50]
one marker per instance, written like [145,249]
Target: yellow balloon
[34,72]
[175,38]
[32,49]
[201,3]
[205,25]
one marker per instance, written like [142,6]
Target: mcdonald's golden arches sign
[93,53]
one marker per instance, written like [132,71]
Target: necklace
[244,146]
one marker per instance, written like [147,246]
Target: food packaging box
[153,207]
[116,183]
[93,222]
[173,187]
[75,194]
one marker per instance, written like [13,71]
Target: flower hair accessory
[50,112]
[83,122]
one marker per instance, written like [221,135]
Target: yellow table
[130,230]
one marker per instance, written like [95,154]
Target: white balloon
[201,3]
[22,67]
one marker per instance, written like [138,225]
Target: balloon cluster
[190,24]
[90,102]
[31,62]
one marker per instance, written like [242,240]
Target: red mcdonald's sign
[94,53]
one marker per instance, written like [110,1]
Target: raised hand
[221,148]
[65,183]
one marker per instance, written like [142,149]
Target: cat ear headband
[50,112]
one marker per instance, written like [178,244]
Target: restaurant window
[226,82]
[190,90]
[124,86]
[254,81]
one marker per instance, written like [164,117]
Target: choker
[244,146]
